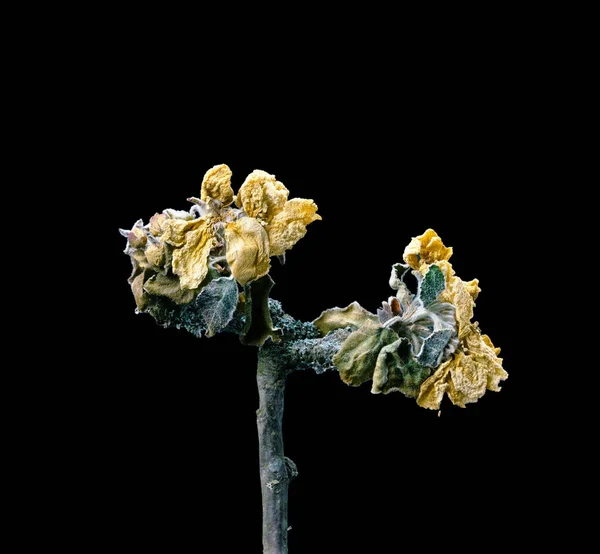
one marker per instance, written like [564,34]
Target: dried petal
[175,230]
[137,237]
[191,261]
[426,249]
[217,185]
[247,249]
[472,370]
[458,295]
[289,225]
[261,195]
[157,224]
[353,315]
[155,254]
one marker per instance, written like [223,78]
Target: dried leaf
[247,249]
[217,302]
[426,249]
[472,370]
[289,226]
[140,296]
[261,195]
[217,185]
[397,276]
[357,357]
[169,287]
[353,315]
[397,371]
[191,261]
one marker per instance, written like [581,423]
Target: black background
[176,418]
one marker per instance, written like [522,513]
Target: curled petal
[262,196]
[157,224]
[460,297]
[426,248]
[137,237]
[289,225]
[472,370]
[247,249]
[217,185]
[155,254]
[175,230]
[191,261]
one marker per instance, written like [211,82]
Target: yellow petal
[433,389]
[157,222]
[175,230]
[472,370]
[247,249]
[261,195]
[191,261]
[155,254]
[426,248]
[457,293]
[473,288]
[289,225]
[217,185]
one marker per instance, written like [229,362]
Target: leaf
[217,302]
[357,357]
[259,325]
[433,347]
[217,185]
[388,362]
[353,315]
[169,287]
[247,249]
[397,277]
[431,285]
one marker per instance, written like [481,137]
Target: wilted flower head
[422,344]
[179,252]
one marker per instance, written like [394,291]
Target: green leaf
[169,287]
[432,284]
[259,325]
[397,276]
[357,357]
[433,347]
[353,315]
[217,302]
[396,370]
